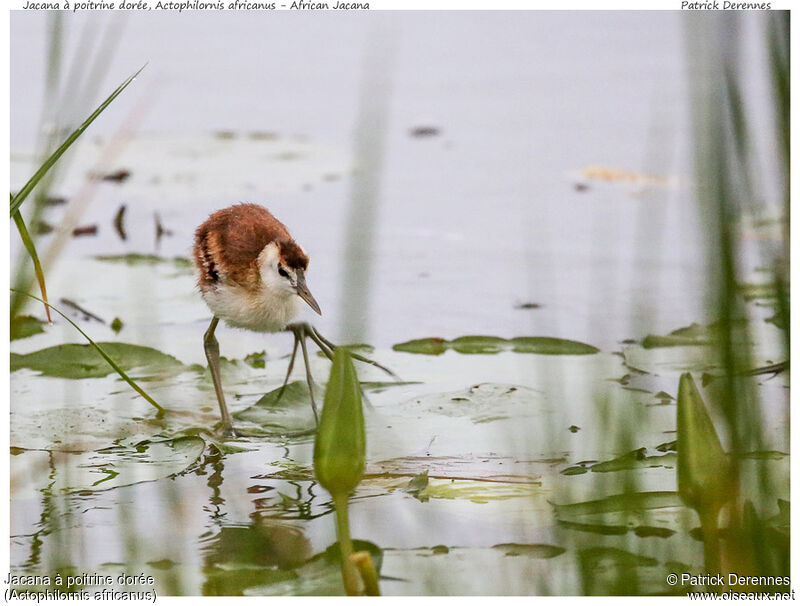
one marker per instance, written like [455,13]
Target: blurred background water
[489,213]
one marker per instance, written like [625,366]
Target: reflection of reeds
[362,214]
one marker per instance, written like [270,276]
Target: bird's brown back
[229,241]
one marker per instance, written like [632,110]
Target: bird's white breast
[262,310]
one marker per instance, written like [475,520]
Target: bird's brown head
[289,263]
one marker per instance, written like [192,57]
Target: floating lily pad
[478,492]
[636,459]
[478,345]
[695,334]
[290,414]
[535,551]
[417,484]
[256,359]
[552,346]
[491,345]
[78,361]
[432,347]
[23,327]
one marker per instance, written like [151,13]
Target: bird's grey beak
[304,293]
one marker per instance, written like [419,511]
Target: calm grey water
[469,223]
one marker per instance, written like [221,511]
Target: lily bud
[705,475]
[340,445]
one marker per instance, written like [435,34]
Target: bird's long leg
[291,365]
[353,355]
[211,346]
[309,378]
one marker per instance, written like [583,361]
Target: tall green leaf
[37,266]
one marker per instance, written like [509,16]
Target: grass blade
[20,196]
[37,266]
[105,356]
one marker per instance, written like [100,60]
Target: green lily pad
[23,327]
[476,491]
[694,334]
[552,346]
[636,459]
[434,346]
[478,345]
[535,551]
[653,531]
[417,484]
[256,359]
[492,345]
[289,414]
[78,361]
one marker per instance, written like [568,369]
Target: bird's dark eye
[283,272]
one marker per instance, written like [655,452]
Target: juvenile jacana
[252,275]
